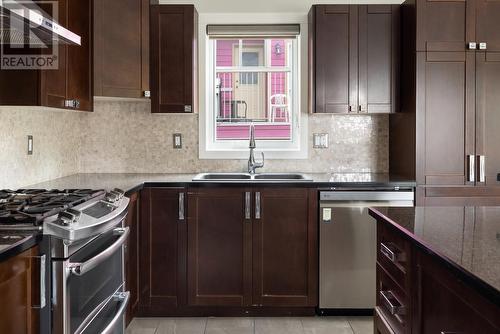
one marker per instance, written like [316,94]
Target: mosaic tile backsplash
[123,136]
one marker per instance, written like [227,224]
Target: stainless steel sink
[222,176]
[281,176]
[264,177]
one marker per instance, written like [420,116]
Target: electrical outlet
[177,140]
[320,140]
[30,145]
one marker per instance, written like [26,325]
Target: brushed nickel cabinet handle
[472,45]
[247,205]
[391,303]
[391,252]
[472,168]
[483,46]
[257,205]
[43,266]
[181,207]
[482,175]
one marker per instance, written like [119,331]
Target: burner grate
[32,206]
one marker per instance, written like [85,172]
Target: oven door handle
[123,298]
[80,268]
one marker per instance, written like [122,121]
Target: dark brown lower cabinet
[219,247]
[285,253]
[447,305]
[19,280]
[437,300]
[132,257]
[228,251]
[252,247]
[162,260]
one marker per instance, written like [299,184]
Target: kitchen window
[253,78]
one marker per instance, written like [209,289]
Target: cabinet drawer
[393,254]
[380,323]
[392,302]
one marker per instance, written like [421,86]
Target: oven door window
[88,291]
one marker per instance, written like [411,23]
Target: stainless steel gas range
[83,240]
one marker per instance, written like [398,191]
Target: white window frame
[209,148]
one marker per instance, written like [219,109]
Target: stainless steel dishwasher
[348,246]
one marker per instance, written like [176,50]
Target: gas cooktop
[29,207]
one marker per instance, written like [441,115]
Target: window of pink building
[254,84]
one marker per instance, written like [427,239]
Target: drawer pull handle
[392,304]
[391,253]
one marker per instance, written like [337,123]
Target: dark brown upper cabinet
[174,58]
[445,134]
[456,25]
[121,48]
[487,26]
[353,58]
[70,86]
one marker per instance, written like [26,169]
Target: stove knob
[115,195]
[69,217]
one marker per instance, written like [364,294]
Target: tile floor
[299,325]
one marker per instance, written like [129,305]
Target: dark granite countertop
[131,182]
[466,238]
[14,243]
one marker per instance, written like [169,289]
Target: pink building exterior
[238,128]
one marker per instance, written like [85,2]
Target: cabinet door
[378,55]
[445,117]
[73,80]
[488,25]
[121,48]
[285,247]
[18,287]
[219,247]
[173,58]
[132,257]
[447,305]
[488,118]
[162,250]
[484,244]
[445,25]
[335,59]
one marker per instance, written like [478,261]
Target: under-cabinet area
[249,167]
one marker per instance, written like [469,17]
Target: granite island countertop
[466,238]
[131,182]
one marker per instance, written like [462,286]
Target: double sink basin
[243,177]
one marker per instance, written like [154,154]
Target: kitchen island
[438,269]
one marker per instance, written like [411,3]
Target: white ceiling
[263,6]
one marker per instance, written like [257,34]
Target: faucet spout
[252,164]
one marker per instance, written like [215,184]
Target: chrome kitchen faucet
[252,164]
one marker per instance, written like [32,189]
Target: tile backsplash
[56,137]
[123,136]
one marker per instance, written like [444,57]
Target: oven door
[87,281]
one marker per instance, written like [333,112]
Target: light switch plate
[320,140]
[177,140]
[30,145]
